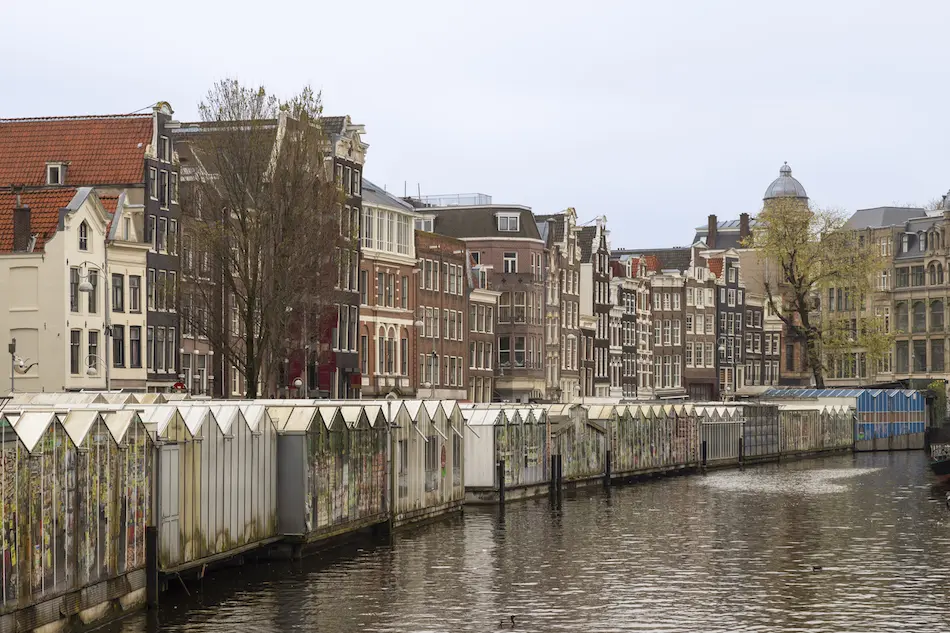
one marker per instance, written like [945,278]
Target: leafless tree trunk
[262,229]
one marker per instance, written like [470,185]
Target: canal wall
[107,499]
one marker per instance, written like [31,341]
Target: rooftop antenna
[405,190]
[419,189]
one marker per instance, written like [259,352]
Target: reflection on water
[731,551]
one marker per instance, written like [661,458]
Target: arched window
[920,317]
[940,274]
[921,241]
[391,351]
[900,314]
[83,236]
[381,350]
[936,316]
[932,271]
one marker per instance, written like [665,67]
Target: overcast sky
[654,114]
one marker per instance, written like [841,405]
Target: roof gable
[45,208]
[98,150]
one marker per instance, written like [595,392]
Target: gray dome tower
[785,186]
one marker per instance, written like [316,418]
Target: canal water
[729,551]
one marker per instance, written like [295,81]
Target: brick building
[505,243]
[442,300]
[388,290]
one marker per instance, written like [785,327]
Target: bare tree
[813,251]
[263,228]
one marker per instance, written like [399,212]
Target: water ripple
[731,551]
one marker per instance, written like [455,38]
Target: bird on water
[816,567]
[503,622]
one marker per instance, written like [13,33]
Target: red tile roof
[653,264]
[109,203]
[635,266]
[44,217]
[715,266]
[617,269]
[98,150]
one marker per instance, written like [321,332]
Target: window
[710,357]
[173,237]
[676,332]
[900,312]
[118,345]
[75,341]
[162,236]
[175,187]
[163,189]
[936,355]
[676,301]
[171,349]
[93,302]
[656,300]
[92,360]
[884,280]
[149,348]
[404,356]
[509,223]
[54,174]
[504,351]
[732,297]
[919,317]
[919,356]
[135,346]
[936,316]
[404,293]
[917,276]
[666,301]
[160,349]
[689,354]
[885,246]
[520,309]
[160,289]
[83,236]
[118,293]
[520,351]
[511,262]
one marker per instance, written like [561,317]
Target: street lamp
[86,287]
[92,367]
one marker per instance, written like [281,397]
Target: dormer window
[509,223]
[84,236]
[55,173]
[921,241]
[424,224]
[164,149]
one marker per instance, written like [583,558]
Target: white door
[169,545]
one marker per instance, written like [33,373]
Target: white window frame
[508,220]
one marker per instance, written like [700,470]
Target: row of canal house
[443,297]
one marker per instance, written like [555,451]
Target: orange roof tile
[653,264]
[44,217]
[109,203]
[635,266]
[715,266]
[98,150]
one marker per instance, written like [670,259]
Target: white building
[52,256]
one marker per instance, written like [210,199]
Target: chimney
[743,226]
[712,231]
[21,227]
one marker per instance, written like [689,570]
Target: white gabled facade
[59,330]
[125,295]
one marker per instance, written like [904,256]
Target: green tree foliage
[808,252]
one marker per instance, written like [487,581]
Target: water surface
[729,551]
